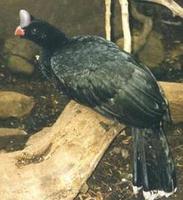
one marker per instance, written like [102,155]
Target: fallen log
[174,94]
[58,160]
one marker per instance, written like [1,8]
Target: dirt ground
[112,178]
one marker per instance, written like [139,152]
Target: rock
[153,52]
[21,47]
[9,132]
[18,64]
[84,189]
[20,55]
[124,153]
[13,104]
[135,42]
[116,150]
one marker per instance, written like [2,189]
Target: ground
[112,178]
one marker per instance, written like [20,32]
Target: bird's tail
[153,169]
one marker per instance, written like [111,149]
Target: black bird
[94,72]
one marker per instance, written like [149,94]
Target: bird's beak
[19,31]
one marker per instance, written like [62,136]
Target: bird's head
[38,31]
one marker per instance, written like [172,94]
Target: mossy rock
[153,52]
[19,64]
[13,104]
[20,55]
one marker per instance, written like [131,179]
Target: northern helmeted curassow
[94,72]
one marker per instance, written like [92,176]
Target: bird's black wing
[99,75]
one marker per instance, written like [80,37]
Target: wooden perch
[62,157]
[58,160]
[174,94]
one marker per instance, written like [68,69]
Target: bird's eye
[34,31]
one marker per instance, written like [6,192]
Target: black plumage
[94,72]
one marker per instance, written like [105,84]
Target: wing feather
[110,81]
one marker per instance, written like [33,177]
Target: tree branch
[108,19]
[126,26]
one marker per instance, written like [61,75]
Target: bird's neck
[57,40]
[50,38]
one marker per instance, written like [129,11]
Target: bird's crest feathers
[25,18]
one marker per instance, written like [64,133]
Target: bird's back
[95,72]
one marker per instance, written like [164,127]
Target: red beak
[19,31]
